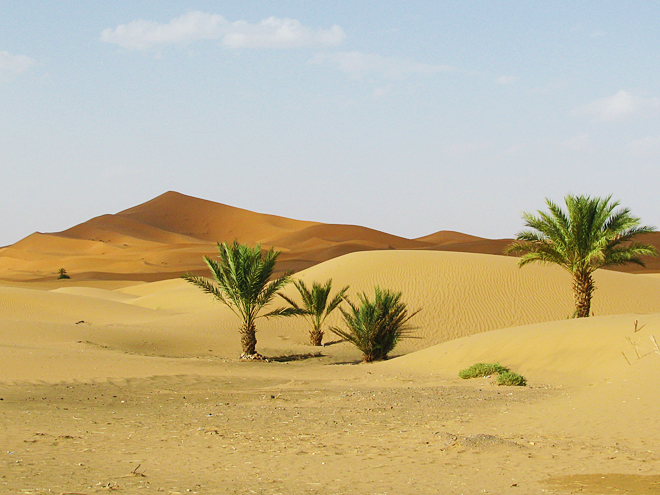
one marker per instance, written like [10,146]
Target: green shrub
[482,369]
[511,378]
[62,274]
[375,327]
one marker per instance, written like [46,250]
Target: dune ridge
[169,235]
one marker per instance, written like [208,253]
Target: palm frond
[242,281]
[375,326]
[282,312]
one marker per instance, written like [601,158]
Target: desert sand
[126,379]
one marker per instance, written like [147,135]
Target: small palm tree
[316,307]
[376,327]
[242,275]
[588,236]
[62,274]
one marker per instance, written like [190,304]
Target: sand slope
[458,294]
[462,293]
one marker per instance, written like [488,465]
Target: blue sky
[407,117]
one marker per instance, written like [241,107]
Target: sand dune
[568,352]
[128,363]
[169,235]
[448,237]
[124,230]
[209,221]
[458,294]
[463,293]
[334,234]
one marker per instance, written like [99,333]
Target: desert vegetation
[243,283]
[375,326]
[589,235]
[62,274]
[316,306]
[479,370]
[511,379]
[504,375]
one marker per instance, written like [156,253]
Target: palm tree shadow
[296,357]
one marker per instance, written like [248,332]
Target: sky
[406,117]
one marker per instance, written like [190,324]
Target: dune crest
[169,235]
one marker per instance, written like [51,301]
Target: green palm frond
[376,326]
[293,303]
[242,281]
[206,286]
[281,312]
[590,234]
[315,306]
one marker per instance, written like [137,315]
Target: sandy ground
[131,387]
[309,428]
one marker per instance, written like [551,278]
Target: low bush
[511,378]
[482,369]
[375,326]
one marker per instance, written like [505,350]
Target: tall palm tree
[242,275]
[588,236]
[315,306]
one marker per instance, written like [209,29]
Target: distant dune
[169,235]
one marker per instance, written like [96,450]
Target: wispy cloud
[12,65]
[195,26]
[618,107]
[358,64]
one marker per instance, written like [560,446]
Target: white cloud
[13,65]
[617,107]
[506,80]
[647,146]
[358,64]
[194,26]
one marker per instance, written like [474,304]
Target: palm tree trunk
[249,338]
[316,336]
[583,288]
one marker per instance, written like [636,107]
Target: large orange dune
[169,235]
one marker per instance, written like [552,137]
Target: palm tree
[588,236]
[242,276]
[315,306]
[376,327]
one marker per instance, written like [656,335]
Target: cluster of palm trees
[242,281]
[591,234]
